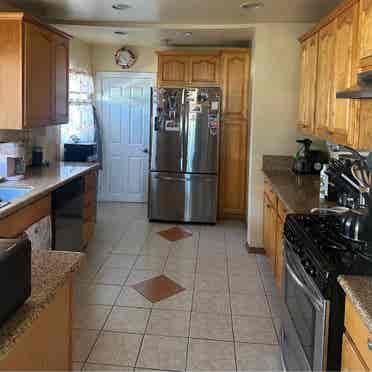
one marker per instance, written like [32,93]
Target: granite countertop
[43,180]
[299,193]
[359,291]
[50,271]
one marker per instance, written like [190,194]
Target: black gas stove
[316,253]
[324,252]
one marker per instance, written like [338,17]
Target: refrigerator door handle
[176,179]
[156,123]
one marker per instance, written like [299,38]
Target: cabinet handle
[369,344]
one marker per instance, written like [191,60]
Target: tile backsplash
[48,138]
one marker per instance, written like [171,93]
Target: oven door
[305,320]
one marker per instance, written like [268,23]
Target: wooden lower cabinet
[47,344]
[15,224]
[274,219]
[279,253]
[358,344]
[351,359]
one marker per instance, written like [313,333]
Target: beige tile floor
[225,320]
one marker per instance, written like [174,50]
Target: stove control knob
[311,271]
[305,263]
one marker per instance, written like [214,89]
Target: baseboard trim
[254,250]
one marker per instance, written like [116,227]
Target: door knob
[145,151]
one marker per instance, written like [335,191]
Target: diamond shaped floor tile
[175,233]
[158,288]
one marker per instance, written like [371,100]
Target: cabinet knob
[369,344]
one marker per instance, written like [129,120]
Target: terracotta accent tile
[175,233]
[158,288]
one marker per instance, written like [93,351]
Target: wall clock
[125,58]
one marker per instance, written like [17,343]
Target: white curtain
[81,124]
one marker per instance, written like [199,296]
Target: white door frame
[99,77]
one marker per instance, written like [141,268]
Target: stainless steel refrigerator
[185,127]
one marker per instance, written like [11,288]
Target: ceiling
[157,37]
[151,22]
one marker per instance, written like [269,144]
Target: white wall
[275,90]
[103,59]
[80,55]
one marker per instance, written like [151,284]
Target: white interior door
[124,101]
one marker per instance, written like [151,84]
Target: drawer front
[351,360]
[15,224]
[358,333]
[282,210]
[271,195]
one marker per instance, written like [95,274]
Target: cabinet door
[279,253]
[366,34]
[343,111]
[270,220]
[351,361]
[325,85]
[235,78]
[205,70]
[233,169]
[61,61]
[309,62]
[266,224]
[365,139]
[38,68]
[173,70]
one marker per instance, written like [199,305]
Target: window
[81,125]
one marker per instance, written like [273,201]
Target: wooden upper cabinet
[173,70]
[365,123]
[188,69]
[235,78]
[38,69]
[309,63]
[325,79]
[205,70]
[344,111]
[61,62]
[366,34]
[34,66]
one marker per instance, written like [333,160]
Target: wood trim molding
[21,16]
[254,250]
[329,18]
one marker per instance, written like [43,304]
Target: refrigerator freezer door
[202,119]
[167,130]
[183,197]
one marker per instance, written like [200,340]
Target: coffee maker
[307,161]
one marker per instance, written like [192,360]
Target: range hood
[362,91]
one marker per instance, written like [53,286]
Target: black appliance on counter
[15,275]
[68,217]
[316,253]
[79,151]
[307,161]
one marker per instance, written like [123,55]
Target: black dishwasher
[68,217]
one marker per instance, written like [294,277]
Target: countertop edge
[357,302]
[277,191]
[22,327]
[29,199]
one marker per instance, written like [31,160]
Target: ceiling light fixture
[120,6]
[188,34]
[121,33]
[252,5]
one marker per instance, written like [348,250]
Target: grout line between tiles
[231,312]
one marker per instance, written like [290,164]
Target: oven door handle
[318,304]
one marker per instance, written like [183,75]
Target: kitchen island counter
[51,271]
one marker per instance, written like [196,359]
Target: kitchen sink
[7,194]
